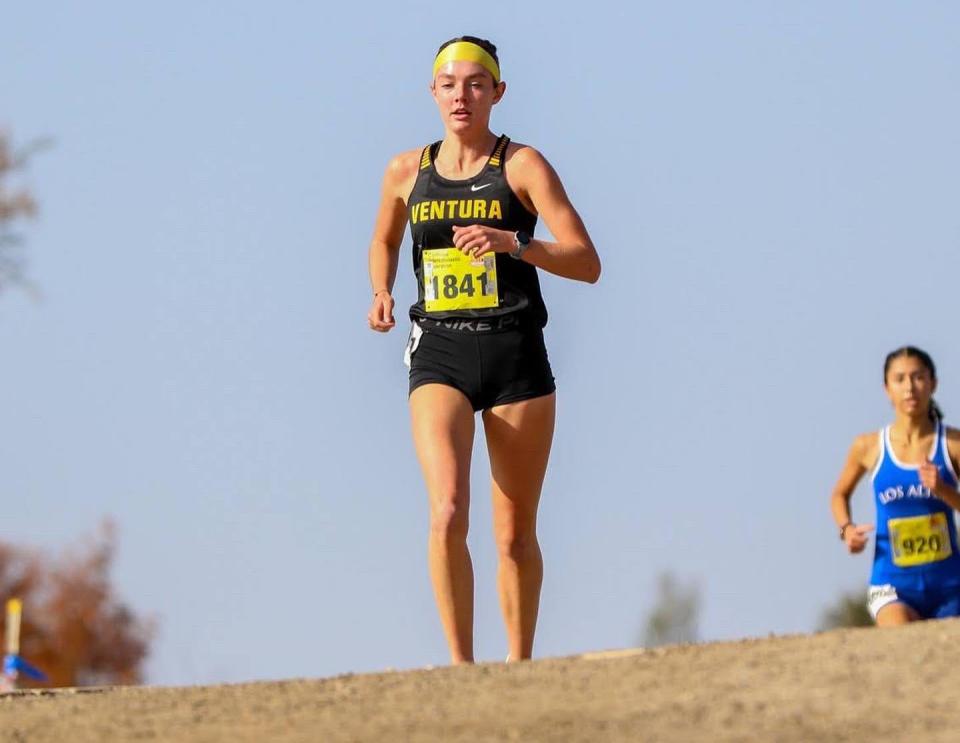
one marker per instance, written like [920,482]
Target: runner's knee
[449,519]
[516,544]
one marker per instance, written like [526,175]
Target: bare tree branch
[14,205]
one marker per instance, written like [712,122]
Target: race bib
[455,281]
[918,540]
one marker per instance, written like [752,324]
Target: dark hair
[488,46]
[912,352]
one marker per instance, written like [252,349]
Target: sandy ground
[848,685]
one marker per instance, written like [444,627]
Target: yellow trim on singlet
[495,158]
[467,51]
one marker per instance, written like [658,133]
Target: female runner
[914,460]
[476,342]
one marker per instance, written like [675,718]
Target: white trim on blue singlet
[879,464]
[901,465]
[946,453]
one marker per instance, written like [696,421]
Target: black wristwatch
[522,241]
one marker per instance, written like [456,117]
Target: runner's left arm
[930,475]
[573,255]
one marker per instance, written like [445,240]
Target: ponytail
[935,413]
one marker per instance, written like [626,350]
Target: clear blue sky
[772,188]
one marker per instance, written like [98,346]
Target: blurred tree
[849,611]
[675,617]
[14,204]
[74,628]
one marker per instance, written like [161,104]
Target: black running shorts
[489,368]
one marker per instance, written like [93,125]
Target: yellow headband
[466,51]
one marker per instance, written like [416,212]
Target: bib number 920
[920,544]
[917,540]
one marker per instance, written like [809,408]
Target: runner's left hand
[477,240]
[930,476]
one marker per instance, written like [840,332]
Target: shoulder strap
[883,452]
[497,158]
[426,159]
[945,451]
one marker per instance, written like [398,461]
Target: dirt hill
[847,685]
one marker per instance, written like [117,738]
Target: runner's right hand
[380,315]
[855,537]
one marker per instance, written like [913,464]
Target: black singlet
[436,204]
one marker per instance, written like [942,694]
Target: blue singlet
[916,543]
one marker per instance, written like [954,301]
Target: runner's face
[910,386]
[465,93]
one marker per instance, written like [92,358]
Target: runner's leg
[896,614]
[519,436]
[443,426]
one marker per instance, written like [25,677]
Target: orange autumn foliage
[74,627]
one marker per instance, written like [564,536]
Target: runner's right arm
[858,462]
[388,236]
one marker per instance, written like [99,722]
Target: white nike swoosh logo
[475,187]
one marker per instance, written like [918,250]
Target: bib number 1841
[454,281]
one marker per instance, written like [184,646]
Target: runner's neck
[459,154]
[910,430]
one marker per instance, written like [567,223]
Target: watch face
[523,238]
